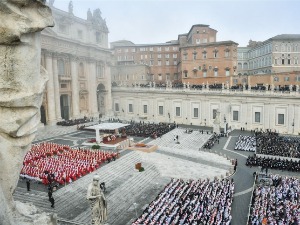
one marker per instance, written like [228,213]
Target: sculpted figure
[22,83]
[89,15]
[71,7]
[97,202]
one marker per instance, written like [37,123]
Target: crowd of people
[245,143]
[211,142]
[278,204]
[65,163]
[270,143]
[74,122]
[200,202]
[154,130]
[273,163]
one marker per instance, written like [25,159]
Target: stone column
[50,90]
[75,89]
[92,83]
[108,100]
[56,88]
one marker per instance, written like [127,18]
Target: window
[130,108]
[235,115]
[175,62]
[117,107]
[185,56]
[61,67]
[282,61]
[63,85]
[166,48]
[151,49]
[145,109]
[297,78]
[167,56]
[227,73]
[195,56]
[286,78]
[175,56]
[167,76]
[204,56]
[177,111]
[174,48]
[99,71]
[289,62]
[133,50]
[216,73]
[98,37]
[276,78]
[151,63]
[257,117]
[159,77]
[142,49]
[204,73]
[226,54]
[159,56]
[79,32]
[167,62]
[281,119]
[158,49]
[142,56]
[160,110]
[159,62]
[197,41]
[185,74]
[215,54]
[196,112]
[214,113]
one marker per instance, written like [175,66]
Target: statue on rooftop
[22,83]
[97,202]
[89,15]
[51,2]
[71,7]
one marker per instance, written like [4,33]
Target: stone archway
[101,92]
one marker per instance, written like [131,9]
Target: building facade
[196,57]
[248,109]
[76,56]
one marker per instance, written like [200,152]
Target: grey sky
[158,21]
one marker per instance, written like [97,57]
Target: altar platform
[143,147]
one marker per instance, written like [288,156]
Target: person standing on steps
[28,184]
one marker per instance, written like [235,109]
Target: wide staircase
[124,187]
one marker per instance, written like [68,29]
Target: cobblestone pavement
[128,191]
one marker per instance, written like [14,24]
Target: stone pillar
[92,83]
[75,89]
[56,89]
[50,90]
[108,100]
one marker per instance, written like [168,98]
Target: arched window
[61,67]
[245,66]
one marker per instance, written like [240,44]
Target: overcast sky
[159,21]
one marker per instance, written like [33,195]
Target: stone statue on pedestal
[22,83]
[97,202]
[71,7]
[89,15]
[216,127]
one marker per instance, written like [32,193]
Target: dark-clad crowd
[270,143]
[200,202]
[74,122]
[211,142]
[153,130]
[273,163]
[278,204]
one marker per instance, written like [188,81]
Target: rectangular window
[281,119]
[175,56]
[166,48]
[215,73]
[204,74]
[197,41]
[151,63]
[177,111]
[167,76]
[158,49]
[194,56]
[167,62]
[174,48]
[227,73]
[204,55]
[175,62]
[286,78]
[159,56]
[257,117]
[289,62]
[167,56]
[117,107]
[185,57]
[196,112]
[63,85]
[159,62]
[297,78]
[227,54]
[214,113]
[130,108]
[160,110]
[282,61]
[159,77]
[133,50]
[142,49]
[145,109]
[235,115]
[151,49]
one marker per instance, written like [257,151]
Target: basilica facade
[77,58]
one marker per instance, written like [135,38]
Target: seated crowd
[276,205]
[270,143]
[65,163]
[211,142]
[201,202]
[74,122]
[272,163]
[246,143]
[153,130]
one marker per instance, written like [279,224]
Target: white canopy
[107,126]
